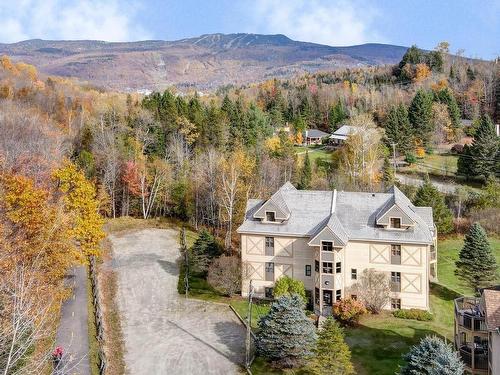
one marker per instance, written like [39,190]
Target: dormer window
[270,216]
[395,222]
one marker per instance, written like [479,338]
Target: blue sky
[473,26]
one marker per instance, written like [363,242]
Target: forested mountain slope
[205,62]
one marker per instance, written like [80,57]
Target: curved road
[163,332]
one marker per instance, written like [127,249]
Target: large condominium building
[477,332]
[327,238]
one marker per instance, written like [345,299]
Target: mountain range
[202,63]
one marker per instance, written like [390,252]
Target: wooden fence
[98,314]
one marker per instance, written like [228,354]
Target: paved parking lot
[164,333]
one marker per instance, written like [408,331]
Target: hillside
[204,62]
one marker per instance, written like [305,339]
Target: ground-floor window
[269,292]
[309,299]
[354,297]
[327,297]
[316,265]
[338,295]
[316,296]
[396,303]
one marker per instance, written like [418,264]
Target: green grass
[435,164]
[380,340]
[315,152]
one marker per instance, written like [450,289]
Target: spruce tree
[332,356]
[204,249]
[428,196]
[286,335]
[388,175]
[464,163]
[432,356]
[305,174]
[398,130]
[476,265]
[420,116]
[445,96]
[485,150]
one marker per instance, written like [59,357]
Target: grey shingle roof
[316,133]
[354,217]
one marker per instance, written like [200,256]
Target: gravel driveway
[163,332]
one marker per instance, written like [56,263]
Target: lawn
[378,343]
[315,152]
[435,164]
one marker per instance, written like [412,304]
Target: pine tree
[332,356]
[305,174]
[420,116]
[428,196]
[286,335]
[336,115]
[388,175]
[485,150]
[464,163]
[476,265]
[432,356]
[398,130]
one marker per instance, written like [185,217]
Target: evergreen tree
[388,175]
[445,96]
[332,356]
[420,116]
[398,130]
[432,356]
[428,196]
[286,335]
[204,249]
[336,115]
[485,150]
[470,73]
[305,174]
[476,265]
[464,163]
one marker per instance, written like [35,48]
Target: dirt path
[163,332]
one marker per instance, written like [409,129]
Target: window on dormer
[395,222]
[270,216]
[327,246]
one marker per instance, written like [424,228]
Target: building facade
[327,239]
[477,335]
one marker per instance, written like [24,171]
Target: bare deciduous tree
[373,289]
[224,274]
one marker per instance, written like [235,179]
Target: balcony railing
[469,315]
[475,361]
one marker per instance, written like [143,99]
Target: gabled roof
[353,216]
[316,133]
[276,203]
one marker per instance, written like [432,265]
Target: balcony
[468,314]
[475,357]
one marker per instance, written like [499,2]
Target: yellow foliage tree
[80,201]
[422,71]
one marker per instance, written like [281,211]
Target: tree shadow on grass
[444,292]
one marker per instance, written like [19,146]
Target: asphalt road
[163,332]
[72,333]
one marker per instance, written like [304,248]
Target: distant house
[340,135]
[314,136]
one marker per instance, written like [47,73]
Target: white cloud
[109,20]
[332,22]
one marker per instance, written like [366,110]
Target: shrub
[415,314]
[348,311]
[285,285]
[410,158]
[224,275]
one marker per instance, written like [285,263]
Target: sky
[472,26]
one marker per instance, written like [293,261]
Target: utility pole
[186,260]
[394,155]
[249,329]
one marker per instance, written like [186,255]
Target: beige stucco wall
[292,254]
